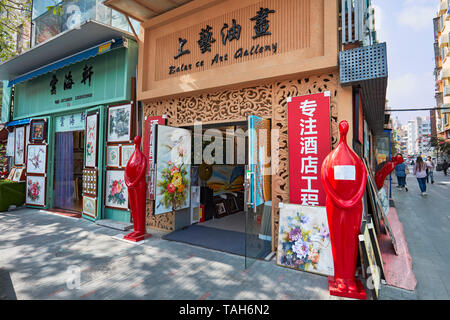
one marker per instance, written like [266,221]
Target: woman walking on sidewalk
[420,171]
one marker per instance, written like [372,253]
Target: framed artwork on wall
[37,159]
[38,130]
[311,253]
[90,182]
[36,191]
[116,192]
[120,127]
[19,148]
[90,151]
[90,206]
[127,151]
[113,156]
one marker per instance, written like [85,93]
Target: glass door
[258,215]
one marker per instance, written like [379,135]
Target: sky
[407,28]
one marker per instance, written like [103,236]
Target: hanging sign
[148,149]
[309,133]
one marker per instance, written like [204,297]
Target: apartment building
[442,69]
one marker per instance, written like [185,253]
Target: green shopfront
[79,115]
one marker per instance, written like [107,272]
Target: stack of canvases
[304,239]
[120,147]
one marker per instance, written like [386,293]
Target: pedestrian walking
[445,166]
[430,169]
[401,171]
[420,171]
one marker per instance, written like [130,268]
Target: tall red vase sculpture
[388,167]
[137,190]
[344,178]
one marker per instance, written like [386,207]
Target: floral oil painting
[35,191]
[116,195]
[304,239]
[173,163]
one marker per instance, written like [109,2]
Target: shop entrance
[230,207]
[68,171]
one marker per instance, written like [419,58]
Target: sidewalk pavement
[426,223]
[42,253]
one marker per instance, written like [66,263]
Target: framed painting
[37,159]
[90,206]
[36,191]
[38,130]
[126,152]
[221,207]
[304,239]
[90,151]
[376,249]
[19,148]
[116,192]
[18,174]
[195,215]
[369,263]
[90,182]
[195,196]
[120,123]
[113,156]
[173,169]
[11,174]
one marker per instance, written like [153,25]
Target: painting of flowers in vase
[173,166]
[116,195]
[304,239]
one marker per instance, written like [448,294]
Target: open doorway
[219,216]
[68,172]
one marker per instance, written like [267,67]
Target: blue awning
[18,122]
[86,54]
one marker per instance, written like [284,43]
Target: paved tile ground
[42,253]
[38,251]
[426,223]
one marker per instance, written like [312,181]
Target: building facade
[224,63]
[442,69]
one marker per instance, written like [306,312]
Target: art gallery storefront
[74,121]
[232,65]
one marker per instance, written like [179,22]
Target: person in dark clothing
[400,172]
[445,166]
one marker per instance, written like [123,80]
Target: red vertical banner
[148,149]
[309,136]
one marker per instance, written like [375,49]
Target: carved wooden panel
[281,91]
[267,100]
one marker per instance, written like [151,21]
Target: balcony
[443,8]
[443,40]
[47,25]
[447,91]
[445,73]
[367,67]
[357,22]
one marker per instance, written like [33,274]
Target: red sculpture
[388,167]
[137,189]
[344,178]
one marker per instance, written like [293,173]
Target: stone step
[113,224]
